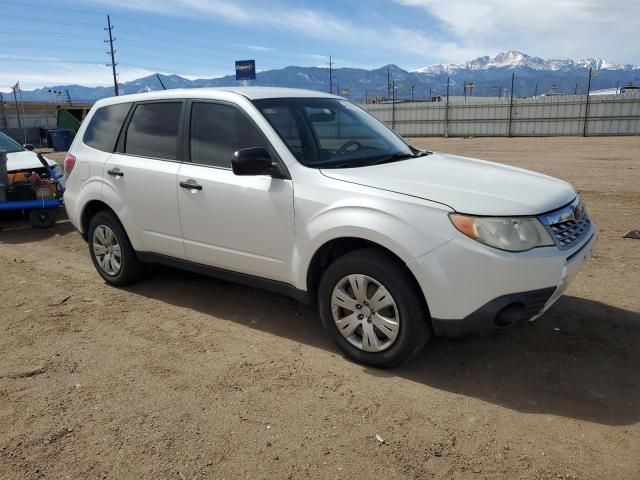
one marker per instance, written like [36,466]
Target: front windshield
[8,145]
[332,133]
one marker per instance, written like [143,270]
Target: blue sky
[49,43]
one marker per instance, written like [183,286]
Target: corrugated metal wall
[541,116]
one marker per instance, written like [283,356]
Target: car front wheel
[372,309]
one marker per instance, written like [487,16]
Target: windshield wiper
[395,157]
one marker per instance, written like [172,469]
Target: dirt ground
[183,377]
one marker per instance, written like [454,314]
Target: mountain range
[491,76]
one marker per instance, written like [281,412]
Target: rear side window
[217,131]
[104,127]
[153,130]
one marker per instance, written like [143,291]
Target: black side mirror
[28,146]
[255,161]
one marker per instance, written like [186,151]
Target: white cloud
[52,71]
[313,23]
[546,28]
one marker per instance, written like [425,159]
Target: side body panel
[145,200]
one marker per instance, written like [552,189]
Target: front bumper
[473,289]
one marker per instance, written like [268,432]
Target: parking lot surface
[183,376]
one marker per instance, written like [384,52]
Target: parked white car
[306,194]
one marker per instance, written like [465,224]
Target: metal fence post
[586,110]
[446,113]
[393,105]
[513,75]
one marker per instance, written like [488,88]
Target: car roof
[217,93]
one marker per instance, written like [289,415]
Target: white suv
[306,194]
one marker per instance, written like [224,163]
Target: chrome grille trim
[567,225]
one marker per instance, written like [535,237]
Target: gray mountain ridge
[491,76]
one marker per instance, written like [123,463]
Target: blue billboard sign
[245,69]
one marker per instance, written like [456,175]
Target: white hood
[465,184]
[25,161]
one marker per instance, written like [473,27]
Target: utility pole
[366,99]
[331,76]
[575,92]
[430,97]
[388,83]
[113,59]
[15,98]
[586,109]
[536,92]
[464,89]
[4,112]
[412,93]
[617,85]
[513,76]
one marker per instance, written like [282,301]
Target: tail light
[69,163]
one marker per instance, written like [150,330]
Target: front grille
[568,225]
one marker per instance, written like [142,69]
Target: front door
[238,223]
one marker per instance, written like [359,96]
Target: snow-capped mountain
[514,59]
[489,75]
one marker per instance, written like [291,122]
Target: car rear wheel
[372,308]
[111,252]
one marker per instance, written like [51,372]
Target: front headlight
[514,234]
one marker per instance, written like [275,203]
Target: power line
[22,4]
[50,20]
[183,40]
[49,47]
[52,60]
[46,34]
[174,60]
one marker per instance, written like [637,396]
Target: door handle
[115,172]
[191,185]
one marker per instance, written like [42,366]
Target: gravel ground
[184,377]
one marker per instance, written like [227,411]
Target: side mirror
[255,161]
[28,146]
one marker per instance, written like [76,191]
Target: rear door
[238,223]
[141,177]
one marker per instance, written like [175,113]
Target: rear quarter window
[153,130]
[104,127]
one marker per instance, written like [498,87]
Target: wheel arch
[335,248]
[90,209]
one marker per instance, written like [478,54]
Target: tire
[42,218]
[117,266]
[406,334]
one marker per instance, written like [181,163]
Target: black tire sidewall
[36,222]
[130,269]
[414,320]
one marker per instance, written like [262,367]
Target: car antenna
[160,80]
